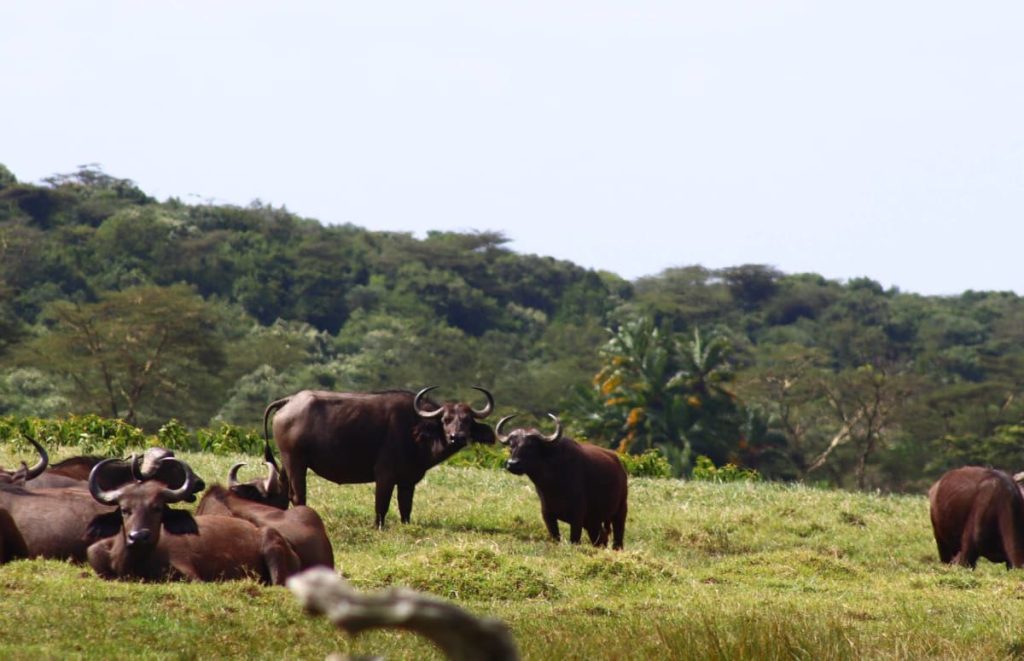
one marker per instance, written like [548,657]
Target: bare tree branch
[460,635]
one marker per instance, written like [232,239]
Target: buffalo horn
[558,429]
[44,460]
[416,405]
[101,495]
[497,428]
[273,481]
[488,408]
[182,492]
[233,474]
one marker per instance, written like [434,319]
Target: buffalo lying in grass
[200,548]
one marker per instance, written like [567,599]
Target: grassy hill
[710,571]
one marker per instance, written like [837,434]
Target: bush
[477,455]
[652,463]
[92,434]
[706,471]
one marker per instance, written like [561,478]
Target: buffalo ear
[427,431]
[179,522]
[482,433]
[104,525]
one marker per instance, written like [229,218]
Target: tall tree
[142,354]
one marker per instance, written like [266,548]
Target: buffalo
[201,548]
[388,437]
[53,522]
[581,484]
[300,525]
[976,513]
[11,543]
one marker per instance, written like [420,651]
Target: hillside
[710,571]
[116,304]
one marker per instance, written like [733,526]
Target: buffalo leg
[405,492]
[296,470]
[383,502]
[575,531]
[551,521]
[100,559]
[278,555]
[598,536]
[619,527]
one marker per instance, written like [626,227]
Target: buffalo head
[458,420]
[143,506]
[270,490]
[527,446]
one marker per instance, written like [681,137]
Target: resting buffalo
[578,483]
[978,513]
[300,525]
[389,437]
[202,548]
[53,522]
[43,475]
[11,544]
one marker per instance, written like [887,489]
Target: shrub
[706,471]
[652,463]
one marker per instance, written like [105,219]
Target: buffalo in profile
[581,484]
[390,437]
[976,513]
[258,503]
[160,543]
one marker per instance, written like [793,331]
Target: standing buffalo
[390,437]
[300,525]
[160,543]
[978,512]
[578,483]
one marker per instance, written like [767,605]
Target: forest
[116,304]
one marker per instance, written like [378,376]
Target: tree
[144,354]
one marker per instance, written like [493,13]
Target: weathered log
[460,635]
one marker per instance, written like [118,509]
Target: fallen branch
[460,635]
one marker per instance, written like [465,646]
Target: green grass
[710,571]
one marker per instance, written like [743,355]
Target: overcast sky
[878,139]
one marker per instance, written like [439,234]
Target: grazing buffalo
[300,525]
[201,548]
[578,483]
[389,437]
[978,513]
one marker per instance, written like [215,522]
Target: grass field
[710,571]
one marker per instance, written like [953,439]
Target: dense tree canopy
[115,303]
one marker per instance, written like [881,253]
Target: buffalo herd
[119,516]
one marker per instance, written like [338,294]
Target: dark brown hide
[12,546]
[55,522]
[978,513]
[301,526]
[158,543]
[370,437]
[581,484]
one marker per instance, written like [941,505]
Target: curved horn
[497,428]
[102,495]
[416,405]
[558,429]
[44,460]
[182,492]
[136,464]
[488,408]
[273,482]
[233,474]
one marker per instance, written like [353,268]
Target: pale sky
[878,139]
